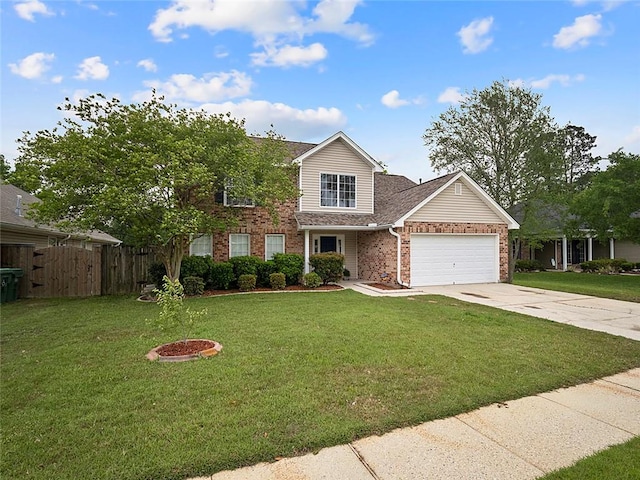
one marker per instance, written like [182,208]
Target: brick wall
[377,256]
[257,222]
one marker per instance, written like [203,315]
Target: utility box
[10,277]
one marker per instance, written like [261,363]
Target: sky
[380,71]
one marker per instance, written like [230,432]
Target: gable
[447,206]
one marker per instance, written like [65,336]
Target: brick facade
[377,260]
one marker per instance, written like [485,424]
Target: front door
[328,243]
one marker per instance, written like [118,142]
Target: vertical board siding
[449,207]
[338,158]
[125,269]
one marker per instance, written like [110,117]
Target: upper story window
[337,190]
[231,201]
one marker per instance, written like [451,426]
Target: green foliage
[312,280]
[196,266]
[172,311]
[146,172]
[607,206]
[329,266]
[529,266]
[291,264]
[607,265]
[265,269]
[245,265]
[247,282]
[346,273]
[157,271]
[278,281]
[193,285]
[221,276]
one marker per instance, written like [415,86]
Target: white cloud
[33,66]
[28,9]
[288,121]
[634,136]
[148,64]
[451,95]
[546,82]
[212,87]
[607,5]
[57,79]
[475,36]
[92,68]
[289,55]
[392,100]
[579,33]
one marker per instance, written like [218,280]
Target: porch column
[306,251]
[564,253]
[555,254]
[589,249]
[612,250]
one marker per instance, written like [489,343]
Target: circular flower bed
[183,351]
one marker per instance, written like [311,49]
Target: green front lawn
[298,372]
[619,287]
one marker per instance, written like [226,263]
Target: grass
[619,287]
[621,462]
[298,372]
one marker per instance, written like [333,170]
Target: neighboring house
[17,229]
[560,252]
[390,229]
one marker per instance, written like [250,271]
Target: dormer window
[337,190]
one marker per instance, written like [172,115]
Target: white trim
[343,227]
[501,212]
[240,234]
[307,268]
[612,248]
[457,188]
[399,256]
[355,177]
[564,253]
[340,135]
[282,235]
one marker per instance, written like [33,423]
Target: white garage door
[453,259]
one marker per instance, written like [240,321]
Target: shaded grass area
[298,372]
[618,287]
[621,462]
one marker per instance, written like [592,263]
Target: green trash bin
[10,278]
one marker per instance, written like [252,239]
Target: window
[273,244]
[201,246]
[458,188]
[238,245]
[337,190]
[231,201]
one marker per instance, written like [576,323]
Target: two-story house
[390,229]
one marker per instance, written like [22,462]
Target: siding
[337,157]
[350,248]
[449,207]
[626,249]
[38,241]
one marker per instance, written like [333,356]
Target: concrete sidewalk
[520,439]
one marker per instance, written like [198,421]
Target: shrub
[606,265]
[193,285]
[328,265]
[196,266]
[265,269]
[247,282]
[278,281]
[156,273]
[221,275]
[312,280]
[346,273]
[291,264]
[245,265]
[529,265]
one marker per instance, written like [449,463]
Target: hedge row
[608,265]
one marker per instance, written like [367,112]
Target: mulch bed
[184,348]
[384,286]
[292,288]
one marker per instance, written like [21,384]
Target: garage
[453,259]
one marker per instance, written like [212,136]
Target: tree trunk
[171,255]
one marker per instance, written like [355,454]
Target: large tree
[606,206]
[506,140]
[578,161]
[149,171]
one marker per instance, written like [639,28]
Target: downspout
[398,257]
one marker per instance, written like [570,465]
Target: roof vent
[19,205]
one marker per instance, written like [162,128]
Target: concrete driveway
[601,314]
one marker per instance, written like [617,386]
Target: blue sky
[381,71]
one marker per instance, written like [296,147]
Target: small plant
[173,314]
[221,275]
[246,282]
[278,281]
[291,264]
[193,285]
[329,266]
[312,280]
[346,273]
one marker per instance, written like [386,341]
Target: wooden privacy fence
[77,272]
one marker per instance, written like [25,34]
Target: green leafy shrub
[328,265]
[172,311]
[245,265]
[529,266]
[156,272]
[196,266]
[247,282]
[221,276]
[278,281]
[291,264]
[606,266]
[346,273]
[193,285]
[265,269]
[312,280]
